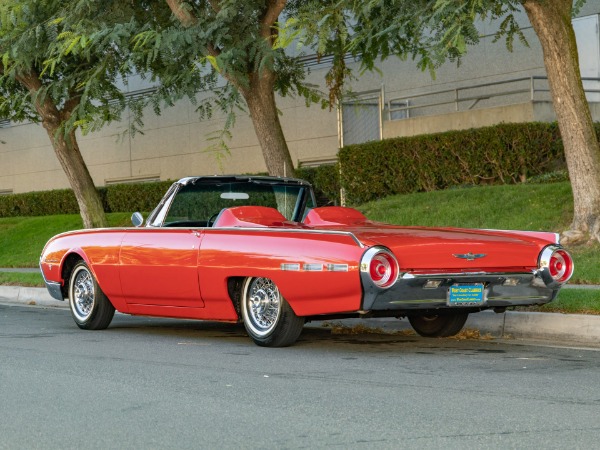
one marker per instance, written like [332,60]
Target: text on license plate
[466,295]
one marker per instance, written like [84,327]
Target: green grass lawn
[580,301]
[534,207]
[23,238]
[21,279]
[547,207]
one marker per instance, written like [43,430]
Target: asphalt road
[157,383]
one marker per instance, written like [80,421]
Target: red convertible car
[259,251]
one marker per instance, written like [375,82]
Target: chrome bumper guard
[54,288]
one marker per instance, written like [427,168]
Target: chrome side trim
[260,229]
[313,267]
[556,235]
[284,230]
[408,275]
[337,267]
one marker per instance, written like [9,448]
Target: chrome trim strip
[408,275]
[313,267]
[337,267]
[262,229]
[556,235]
[523,297]
[415,302]
[283,230]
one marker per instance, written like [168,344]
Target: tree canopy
[432,32]
[76,91]
[225,56]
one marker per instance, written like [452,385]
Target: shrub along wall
[505,153]
[325,180]
[115,198]
[141,196]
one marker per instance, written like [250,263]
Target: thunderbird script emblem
[469,256]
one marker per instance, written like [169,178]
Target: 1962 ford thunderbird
[259,251]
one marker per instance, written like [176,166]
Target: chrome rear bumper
[502,290]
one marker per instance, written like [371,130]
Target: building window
[361,118]
[398,109]
[588,47]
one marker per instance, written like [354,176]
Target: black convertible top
[260,179]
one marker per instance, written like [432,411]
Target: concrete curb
[29,296]
[575,328]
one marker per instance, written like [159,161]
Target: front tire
[90,308]
[267,316]
[438,325]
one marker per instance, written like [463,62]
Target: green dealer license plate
[466,295]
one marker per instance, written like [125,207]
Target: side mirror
[137,219]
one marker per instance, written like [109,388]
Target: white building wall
[173,145]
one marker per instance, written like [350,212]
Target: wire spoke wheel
[90,308]
[82,294]
[268,318]
[263,305]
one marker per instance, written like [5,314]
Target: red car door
[160,267]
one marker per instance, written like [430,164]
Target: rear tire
[90,308]
[268,317]
[438,325]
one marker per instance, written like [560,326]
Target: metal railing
[403,107]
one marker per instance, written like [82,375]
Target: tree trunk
[551,20]
[260,98]
[69,156]
[259,94]
[67,150]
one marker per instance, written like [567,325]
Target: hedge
[501,154]
[505,153]
[325,180]
[140,196]
[115,198]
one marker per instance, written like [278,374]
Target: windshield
[198,205]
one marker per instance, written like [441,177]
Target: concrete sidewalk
[568,328]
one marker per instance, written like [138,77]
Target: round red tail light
[559,263]
[381,265]
[561,266]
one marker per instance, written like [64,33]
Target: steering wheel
[212,219]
